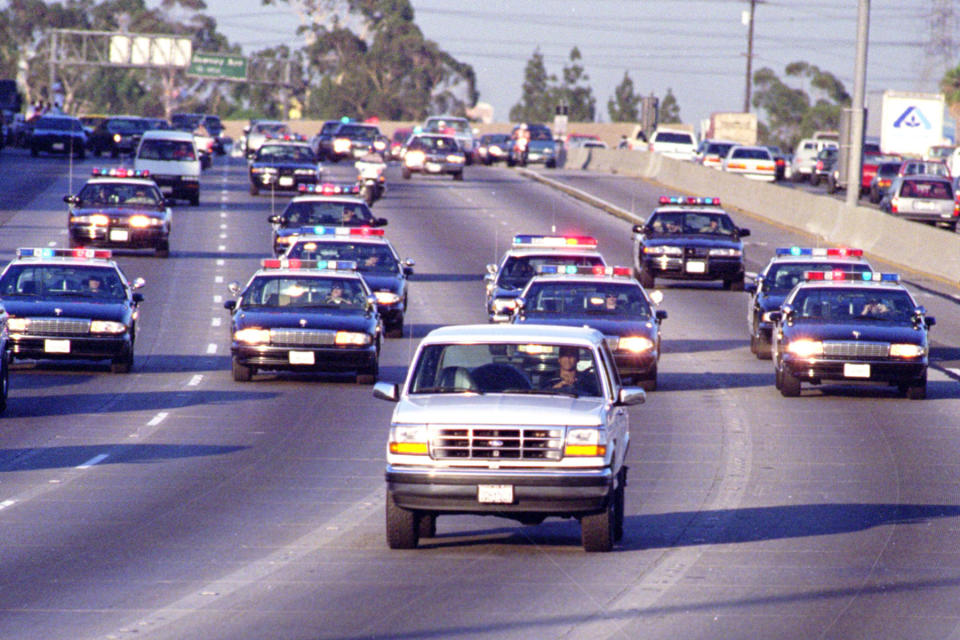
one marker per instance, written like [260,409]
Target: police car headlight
[663,251]
[727,253]
[804,348]
[252,335]
[352,338]
[107,326]
[590,442]
[907,350]
[17,325]
[635,344]
[141,222]
[455,159]
[504,304]
[409,439]
[304,172]
[117,137]
[386,297]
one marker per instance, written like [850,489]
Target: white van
[805,157]
[173,162]
[673,143]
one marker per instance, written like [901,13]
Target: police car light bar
[840,275]
[586,242]
[49,252]
[330,188]
[832,252]
[119,172]
[296,263]
[341,231]
[570,269]
[690,200]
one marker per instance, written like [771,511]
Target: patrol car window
[58,124]
[517,270]
[294,292]
[692,222]
[272,129]
[310,213]
[93,195]
[353,131]
[175,150]
[596,299]
[62,280]
[370,258]
[853,305]
[285,153]
[784,277]
[507,368]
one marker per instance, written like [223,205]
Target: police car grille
[301,337]
[697,252]
[855,349]
[58,326]
[497,443]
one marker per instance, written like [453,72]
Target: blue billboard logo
[912,118]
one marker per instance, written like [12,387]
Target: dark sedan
[689,238]
[117,135]
[283,166]
[70,304]
[865,328]
[305,316]
[58,134]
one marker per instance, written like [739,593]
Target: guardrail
[915,246]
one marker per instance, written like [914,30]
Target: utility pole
[748,19]
[855,159]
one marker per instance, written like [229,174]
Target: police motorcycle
[371,175]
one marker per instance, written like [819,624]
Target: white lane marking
[218,279]
[223,214]
[7,503]
[222,247]
[223,226]
[212,347]
[195,380]
[52,243]
[93,461]
[221,262]
[157,419]
[218,299]
[223,236]
[955,372]
[216,322]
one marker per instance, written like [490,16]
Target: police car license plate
[56,346]
[434,167]
[301,357]
[286,181]
[696,266]
[495,493]
[57,146]
[119,235]
[856,370]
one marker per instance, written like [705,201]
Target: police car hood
[773,301]
[499,409]
[609,326]
[118,212]
[284,164]
[706,240]
[313,318]
[867,330]
[382,281]
[69,307]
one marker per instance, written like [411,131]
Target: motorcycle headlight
[252,335]
[107,326]
[805,348]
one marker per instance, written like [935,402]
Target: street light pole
[855,159]
[749,18]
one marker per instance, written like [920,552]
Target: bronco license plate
[495,493]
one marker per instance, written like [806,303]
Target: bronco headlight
[635,344]
[804,348]
[907,351]
[663,251]
[591,442]
[252,335]
[107,326]
[353,338]
[409,439]
[727,253]
[386,297]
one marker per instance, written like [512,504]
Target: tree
[536,103]
[578,97]
[669,109]
[622,107]
[950,85]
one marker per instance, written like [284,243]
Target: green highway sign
[211,65]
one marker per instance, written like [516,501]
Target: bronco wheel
[403,531]
[597,529]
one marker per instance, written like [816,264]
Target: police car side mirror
[408,266]
[639,228]
[371,305]
[274,219]
[380,222]
[776,316]
[71,199]
[137,298]
[929,321]
[743,233]
[631,396]
[750,287]
[229,305]
[386,391]
[661,315]
[168,202]
[492,269]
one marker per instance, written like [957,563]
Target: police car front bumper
[332,359]
[700,268]
[888,371]
[118,237]
[69,347]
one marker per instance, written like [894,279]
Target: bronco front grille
[855,349]
[492,443]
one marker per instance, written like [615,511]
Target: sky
[695,48]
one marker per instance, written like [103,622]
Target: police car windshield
[310,213]
[691,222]
[784,277]
[370,257]
[62,280]
[120,195]
[577,298]
[853,305]
[286,291]
[285,153]
[517,270]
[547,369]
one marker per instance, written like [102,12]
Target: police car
[120,208]
[784,271]
[377,261]
[283,166]
[70,304]
[689,238]
[305,315]
[607,299]
[505,281]
[838,326]
[325,205]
